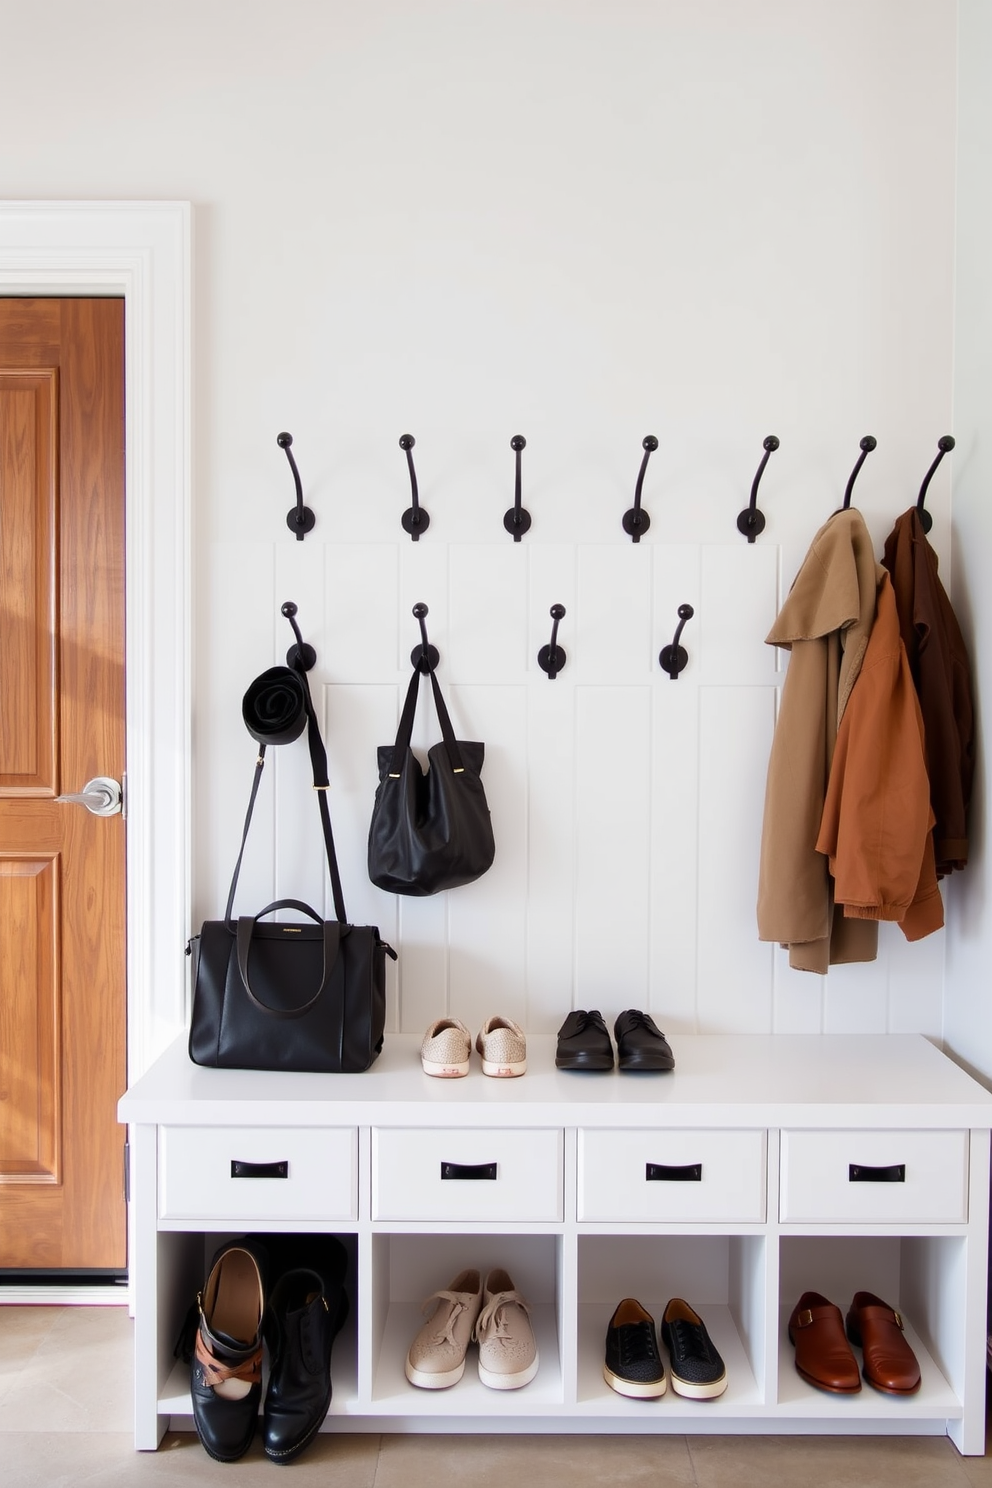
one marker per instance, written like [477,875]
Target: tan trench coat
[825,623]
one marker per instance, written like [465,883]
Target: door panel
[62,871]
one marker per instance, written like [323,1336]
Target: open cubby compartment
[922,1276]
[184,1260]
[406,1269]
[723,1277]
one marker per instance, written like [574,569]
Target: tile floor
[65,1419]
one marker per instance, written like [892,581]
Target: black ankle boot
[306,1311]
[227,1354]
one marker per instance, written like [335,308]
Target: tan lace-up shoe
[437,1354]
[446,1049]
[507,1351]
[503,1047]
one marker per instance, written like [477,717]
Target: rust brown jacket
[825,623]
[938,661]
[877,823]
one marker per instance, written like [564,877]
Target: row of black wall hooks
[550,658]
[635,522]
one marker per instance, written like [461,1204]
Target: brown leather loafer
[876,1328]
[823,1354]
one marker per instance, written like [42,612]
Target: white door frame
[140,250]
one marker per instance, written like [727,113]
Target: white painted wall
[583,222]
[968,1006]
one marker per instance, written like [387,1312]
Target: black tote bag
[430,830]
[302,997]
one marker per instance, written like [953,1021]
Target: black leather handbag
[429,831]
[305,996]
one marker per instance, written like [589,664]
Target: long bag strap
[332,940]
[321,784]
[405,731]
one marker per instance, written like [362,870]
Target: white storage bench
[760,1168]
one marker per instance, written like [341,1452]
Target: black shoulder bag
[299,997]
[429,831]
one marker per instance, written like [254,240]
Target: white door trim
[140,250]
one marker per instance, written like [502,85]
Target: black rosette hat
[275,706]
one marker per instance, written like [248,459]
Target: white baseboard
[36,1295]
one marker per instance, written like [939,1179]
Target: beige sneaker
[503,1047]
[446,1049]
[437,1354]
[507,1351]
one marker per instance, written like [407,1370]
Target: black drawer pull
[485,1171]
[241,1169]
[859,1173]
[672,1173]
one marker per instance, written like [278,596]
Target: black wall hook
[944,446]
[424,657]
[751,521]
[675,658]
[552,658]
[415,520]
[302,649]
[300,519]
[517,520]
[867,445]
[635,521]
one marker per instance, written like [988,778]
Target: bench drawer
[258,1173]
[878,1177]
[467,1175]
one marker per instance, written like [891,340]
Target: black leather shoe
[633,1364]
[226,1369]
[306,1311]
[698,1372]
[584,1043]
[641,1045]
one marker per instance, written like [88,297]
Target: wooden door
[62,870]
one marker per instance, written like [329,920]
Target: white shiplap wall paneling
[360,611]
[613,613]
[916,973]
[674,888]
[488,613]
[423,979]
[797,997]
[358,718]
[737,606]
[855,997]
[734,983]
[487,919]
[550,870]
[612,847]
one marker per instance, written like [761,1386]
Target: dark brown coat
[938,661]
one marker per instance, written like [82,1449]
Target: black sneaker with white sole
[697,1370]
[633,1363]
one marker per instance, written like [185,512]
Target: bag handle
[405,731]
[321,784]
[332,940]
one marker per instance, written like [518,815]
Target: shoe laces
[493,1321]
[586,1020]
[690,1338]
[445,1333]
[637,1341]
[637,1019]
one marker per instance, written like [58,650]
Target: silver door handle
[102,796]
